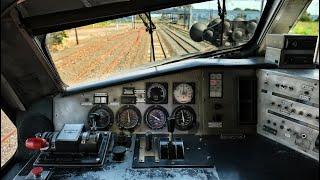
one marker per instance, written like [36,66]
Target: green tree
[237,9]
[305,17]
[57,37]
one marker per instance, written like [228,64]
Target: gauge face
[156,117]
[185,117]
[183,93]
[105,117]
[157,93]
[128,117]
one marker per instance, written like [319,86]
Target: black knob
[171,122]
[149,138]
[118,153]
[281,126]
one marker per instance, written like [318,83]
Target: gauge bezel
[145,117]
[176,84]
[163,101]
[123,108]
[191,110]
[105,107]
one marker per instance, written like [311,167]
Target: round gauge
[185,117]
[156,117]
[157,93]
[183,93]
[103,117]
[128,117]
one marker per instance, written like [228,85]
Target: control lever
[93,118]
[171,146]
[171,122]
[149,139]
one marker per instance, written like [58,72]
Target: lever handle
[171,122]
[36,143]
[94,117]
[149,139]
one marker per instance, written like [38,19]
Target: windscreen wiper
[150,28]
[222,12]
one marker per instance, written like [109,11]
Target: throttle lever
[171,122]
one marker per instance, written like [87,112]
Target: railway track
[179,43]
[186,34]
[161,51]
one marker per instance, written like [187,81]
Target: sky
[253,4]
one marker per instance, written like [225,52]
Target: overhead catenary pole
[76,33]
[190,17]
[261,8]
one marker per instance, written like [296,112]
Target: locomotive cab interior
[183,89]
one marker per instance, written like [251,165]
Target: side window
[8,138]
[308,23]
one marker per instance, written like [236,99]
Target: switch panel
[288,106]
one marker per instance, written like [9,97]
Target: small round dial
[104,118]
[156,117]
[128,117]
[157,93]
[185,117]
[183,93]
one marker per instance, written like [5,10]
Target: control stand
[171,148]
[165,150]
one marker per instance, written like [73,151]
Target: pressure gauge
[156,117]
[128,117]
[185,117]
[157,93]
[183,93]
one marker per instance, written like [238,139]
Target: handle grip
[36,143]
[171,123]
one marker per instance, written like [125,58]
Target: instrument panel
[195,98]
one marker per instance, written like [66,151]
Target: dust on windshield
[98,51]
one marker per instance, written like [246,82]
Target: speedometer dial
[156,117]
[157,93]
[185,117]
[183,93]
[128,117]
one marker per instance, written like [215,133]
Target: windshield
[98,51]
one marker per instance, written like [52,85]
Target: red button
[36,171]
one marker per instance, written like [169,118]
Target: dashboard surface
[209,95]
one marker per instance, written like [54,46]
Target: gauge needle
[155,117]
[128,116]
[182,117]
